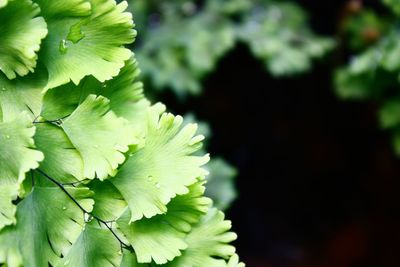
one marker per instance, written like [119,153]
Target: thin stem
[57,122]
[105,223]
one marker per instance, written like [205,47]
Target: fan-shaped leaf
[21,33]
[161,238]
[17,156]
[103,140]
[62,161]
[88,45]
[94,247]
[48,222]
[163,168]
[208,243]
[22,94]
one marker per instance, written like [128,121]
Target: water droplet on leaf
[63,46]
[75,33]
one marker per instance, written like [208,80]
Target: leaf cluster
[92,174]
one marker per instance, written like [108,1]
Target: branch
[105,223]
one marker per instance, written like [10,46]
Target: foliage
[220,180]
[374,73]
[92,174]
[184,40]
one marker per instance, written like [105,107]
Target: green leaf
[22,94]
[21,33]
[278,33]
[389,114]
[129,259]
[103,140]
[220,183]
[188,51]
[234,261]
[62,161]
[208,243]
[8,193]
[88,45]
[109,204]
[48,222]
[364,85]
[9,251]
[16,143]
[163,168]
[54,10]
[161,238]
[95,247]
[124,92]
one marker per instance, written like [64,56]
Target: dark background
[319,182]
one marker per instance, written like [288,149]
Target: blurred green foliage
[374,72]
[181,41]
[220,180]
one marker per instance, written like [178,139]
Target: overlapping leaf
[94,247]
[104,140]
[161,238]
[208,243]
[163,168]
[21,94]
[48,222]
[62,160]
[21,33]
[17,156]
[125,93]
[85,38]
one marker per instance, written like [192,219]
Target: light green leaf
[21,33]
[234,261]
[17,156]
[3,3]
[9,251]
[99,135]
[48,222]
[22,94]
[109,204]
[207,243]
[95,247]
[163,168]
[8,193]
[62,161]
[161,238]
[54,10]
[81,46]
[129,259]
[124,92]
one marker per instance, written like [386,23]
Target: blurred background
[301,97]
